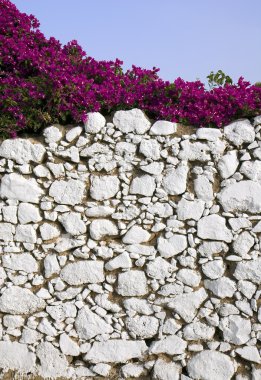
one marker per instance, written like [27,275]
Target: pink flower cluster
[43,82]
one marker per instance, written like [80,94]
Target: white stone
[222,287]
[210,365]
[132,283]
[49,231]
[241,196]
[99,211]
[131,121]
[252,170]
[16,356]
[138,305]
[243,243]
[41,171]
[209,134]
[159,269]
[190,209]
[52,134]
[23,261]
[73,223]
[163,210]
[121,261]
[73,133]
[163,370]
[100,228]
[170,345]
[163,128]
[51,265]
[132,370]
[246,288]
[53,362]
[13,321]
[102,369]
[171,246]
[175,180]
[235,329]
[154,168]
[46,327]
[62,311]
[15,186]
[189,277]
[198,330]
[213,269]
[249,353]
[186,305]
[143,185]
[67,192]
[136,235]
[10,214]
[240,132]
[22,151]
[238,223]
[82,272]
[213,227]
[25,233]
[28,213]
[68,346]
[6,231]
[196,151]
[125,148]
[94,123]
[228,164]
[203,188]
[104,187]
[249,270]
[150,149]
[16,300]
[257,227]
[116,351]
[142,327]
[2,276]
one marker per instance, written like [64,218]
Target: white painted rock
[249,270]
[243,243]
[170,345]
[240,132]
[196,151]
[159,269]
[15,186]
[28,213]
[62,311]
[121,261]
[51,265]
[163,128]
[82,272]
[235,329]
[175,180]
[252,170]
[171,246]
[136,235]
[16,300]
[132,283]
[25,233]
[189,277]
[89,324]
[143,185]
[67,192]
[131,121]
[213,269]
[198,330]
[222,287]
[203,188]
[73,223]
[210,365]
[249,353]
[100,228]
[190,209]
[142,327]
[210,134]
[104,187]
[22,151]
[53,362]
[6,231]
[68,346]
[94,123]
[52,134]
[49,231]
[23,261]
[163,370]
[16,356]
[150,149]
[213,227]
[228,164]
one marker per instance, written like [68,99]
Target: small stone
[68,346]
[16,300]
[213,269]
[159,269]
[189,277]
[150,149]
[53,362]
[132,283]
[249,270]
[249,353]
[6,231]
[104,187]
[163,370]
[243,243]
[95,121]
[9,214]
[203,188]
[67,192]
[102,369]
[210,365]
[246,288]
[198,330]
[214,227]
[170,345]
[23,261]
[175,180]
[143,185]
[121,261]
[16,187]
[62,311]
[49,231]
[163,128]
[52,135]
[51,265]
[235,329]
[138,305]
[131,121]
[171,246]
[190,209]
[209,134]
[22,151]
[25,233]
[73,133]
[240,132]
[136,235]
[132,370]
[73,223]
[196,151]
[100,228]
[28,213]
[228,164]
[82,272]
[222,287]
[143,327]
[252,170]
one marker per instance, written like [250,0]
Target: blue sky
[186,38]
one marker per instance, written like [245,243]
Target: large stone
[235,329]
[104,187]
[240,132]
[67,192]
[171,246]
[101,228]
[213,227]
[95,121]
[143,185]
[23,261]
[163,128]
[249,270]
[136,235]
[6,231]
[72,223]
[222,287]
[242,196]
[203,188]
[16,356]
[150,149]
[49,231]
[159,269]
[252,170]
[243,243]
[16,300]
[89,324]
[228,164]
[28,213]
[163,370]
[198,330]
[131,121]
[22,151]
[116,351]
[175,180]
[53,362]
[142,327]
[190,209]
[82,272]
[196,151]
[25,233]
[15,186]
[170,345]
[210,365]
[132,283]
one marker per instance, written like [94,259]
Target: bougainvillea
[43,82]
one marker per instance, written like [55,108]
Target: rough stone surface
[83,272]
[17,300]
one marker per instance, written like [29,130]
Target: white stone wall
[129,250]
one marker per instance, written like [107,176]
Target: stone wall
[132,250]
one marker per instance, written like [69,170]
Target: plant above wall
[43,82]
